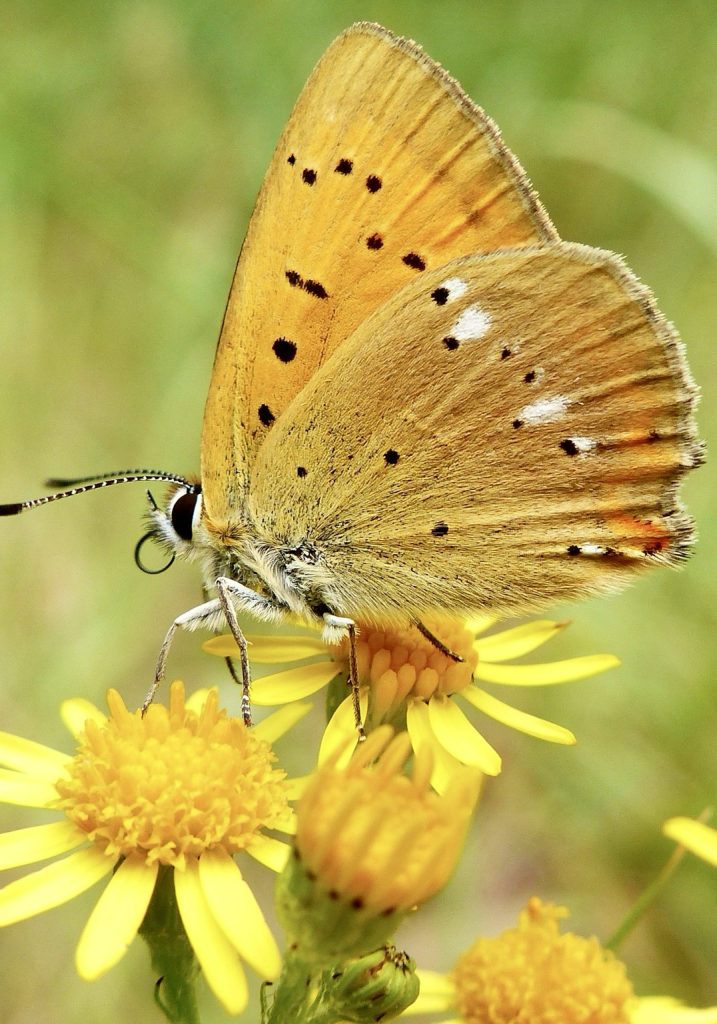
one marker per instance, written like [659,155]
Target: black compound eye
[182,514]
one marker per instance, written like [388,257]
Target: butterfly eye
[182,514]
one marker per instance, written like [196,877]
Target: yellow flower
[371,843]
[408,682]
[184,786]
[534,975]
[700,839]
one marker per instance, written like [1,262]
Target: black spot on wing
[414,261]
[375,241]
[284,349]
[440,296]
[569,446]
[573,549]
[517,423]
[440,529]
[451,344]
[373,183]
[344,166]
[300,472]
[391,457]
[266,415]
[291,159]
[505,353]
[529,377]
[308,175]
[315,288]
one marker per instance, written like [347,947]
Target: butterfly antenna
[93,483]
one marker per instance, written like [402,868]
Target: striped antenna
[93,483]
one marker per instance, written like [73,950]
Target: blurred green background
[133,139]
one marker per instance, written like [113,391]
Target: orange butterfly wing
[508,431]
[385,169]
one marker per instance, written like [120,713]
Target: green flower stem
[294,994]
[650,894]
[171,952]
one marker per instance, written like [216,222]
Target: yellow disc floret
[534,975]
[173,782]
[401,663]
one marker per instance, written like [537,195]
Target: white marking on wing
[455,288]
[471,324]
[591,549]
[584,444]
[545,410]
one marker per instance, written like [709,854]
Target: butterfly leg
[350,626]
[228,661]
[435,641]
[225,587]
[191,618]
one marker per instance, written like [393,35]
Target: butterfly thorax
[287,578]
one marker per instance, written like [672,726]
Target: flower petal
[196,700]
[16,788]
[268,650]
[459,737]
[437,993]
[272,853]
[293,684]
[75,712]
[340,731]
[295,787]
[33,759]
[513,643]
[215,954]
[113,924]
[419,728]
[700,839]
[29,845]
[286,822]
[279,722]
[664,1010]
[550,672]
[520,720]
[52,885]
[234,906]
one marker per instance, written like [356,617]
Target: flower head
[371,843]
[533,974]
[410,683]
[184,787]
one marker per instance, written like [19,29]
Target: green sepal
[323,926]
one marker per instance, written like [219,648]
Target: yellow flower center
[534,975]
[172,783]
[402,663]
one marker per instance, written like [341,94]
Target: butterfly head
[175,525]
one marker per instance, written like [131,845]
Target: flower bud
[371,844]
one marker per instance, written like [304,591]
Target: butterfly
[423,401]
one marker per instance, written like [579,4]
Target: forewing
[507,432]
[385,171]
